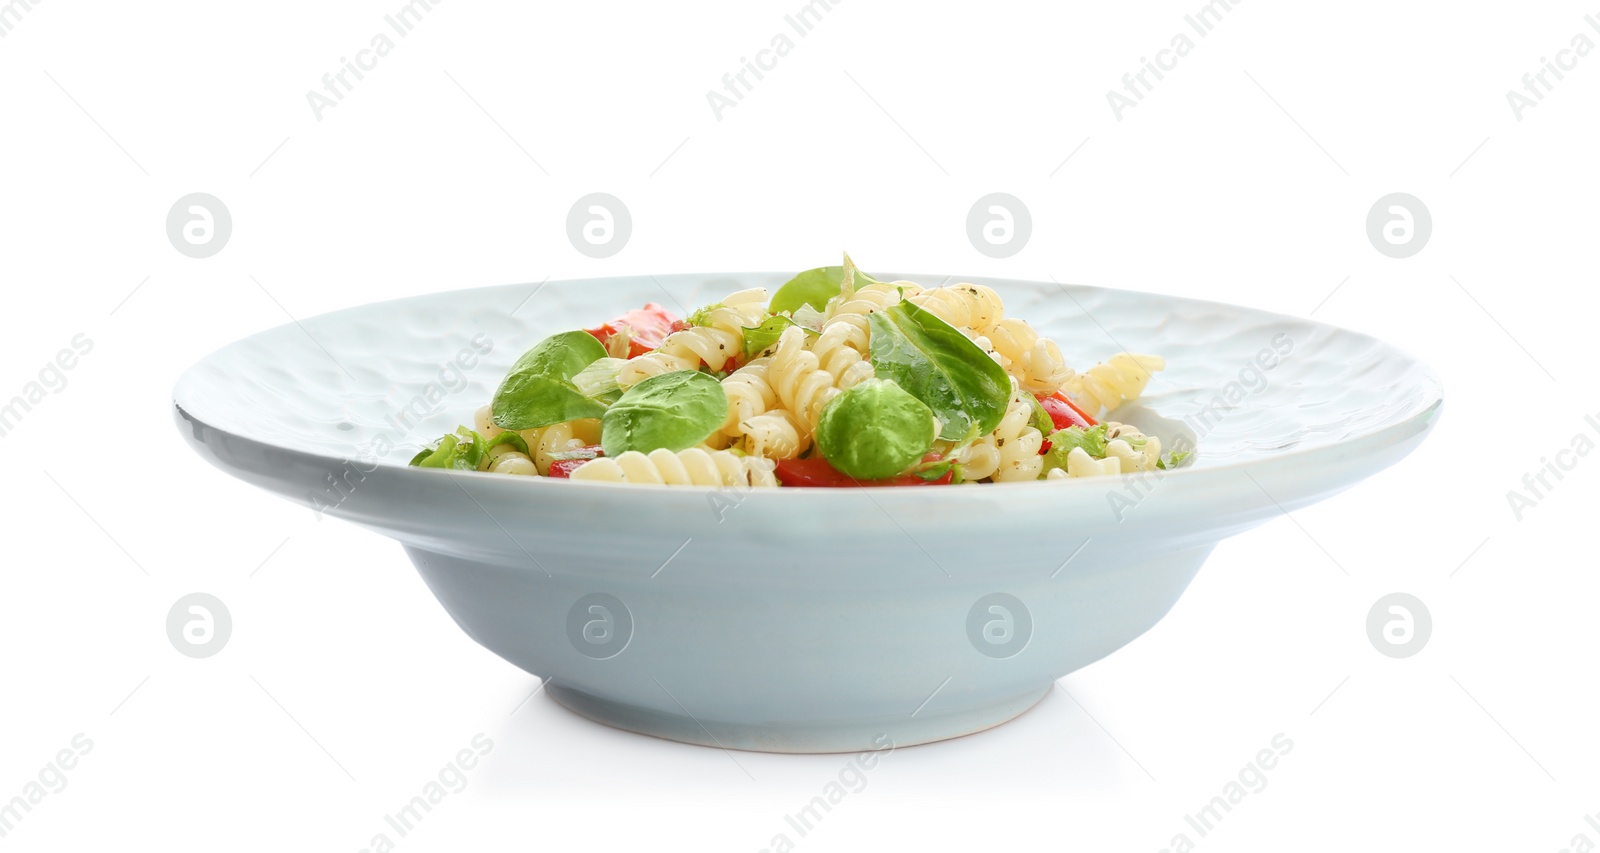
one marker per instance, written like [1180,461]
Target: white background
[1244,176]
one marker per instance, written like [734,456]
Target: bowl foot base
[795,736]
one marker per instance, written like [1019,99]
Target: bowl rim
[1388,433]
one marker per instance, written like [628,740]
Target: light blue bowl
[802,620]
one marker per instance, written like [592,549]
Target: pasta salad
[835,379]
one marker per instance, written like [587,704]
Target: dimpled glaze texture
[802,619]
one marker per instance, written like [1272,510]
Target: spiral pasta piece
[719,339]
[692,467]
[1018,444]
[840,350]
[545,442]
[1132,448]
[749,394]
[798,379]
[1081,464]
[966,306]
[1035,362]
[1011,452]
[1117,380]
[854,307]
[777,434]
[979,460]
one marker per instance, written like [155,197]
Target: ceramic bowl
[801,620]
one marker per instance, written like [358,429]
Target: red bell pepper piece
[562,468]
[1065,413]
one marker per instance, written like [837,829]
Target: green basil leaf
[875,430]
[851,278]
[938,365]
[539,391]
[815,287]
[511,437]
[675,411]
[757,339]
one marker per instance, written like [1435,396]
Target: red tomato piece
[817,472]
[647,327]
[1065,413]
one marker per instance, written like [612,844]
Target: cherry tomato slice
[647,327]
[818,473]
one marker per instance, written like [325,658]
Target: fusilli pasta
[1011,452]
[853,309]
[971,307]
[797,377]
[1081,464]
[692,467]
[749,394]
[545,442]
[1117,380]
[1135,450]
[776,434]
[1035,362]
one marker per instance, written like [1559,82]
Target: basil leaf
[511,437]
[852,278]
[675,411]
[758,339]
[815,287]
[874,431]
[539,391]
[938,365]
